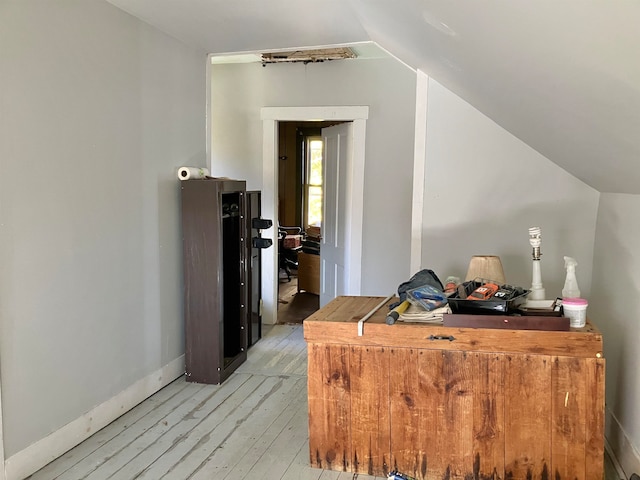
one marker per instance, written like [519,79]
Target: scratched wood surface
[568,405]
[343,314]
[370,424]
[409,414]
[444,414]
[448,385]
[528,416]
[329,407]
[469,403]
[488,415]
[455,422]
[594,428]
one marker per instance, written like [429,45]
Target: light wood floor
[253,426]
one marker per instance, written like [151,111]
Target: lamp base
[537,294]
[543,304]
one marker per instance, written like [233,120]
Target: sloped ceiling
[562,76]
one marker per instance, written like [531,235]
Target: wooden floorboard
[159,458]
[256,435]
[295,306]
[253,426]
[88,447]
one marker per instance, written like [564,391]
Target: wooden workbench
[452,403]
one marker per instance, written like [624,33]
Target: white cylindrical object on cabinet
[576,310]
[187,173]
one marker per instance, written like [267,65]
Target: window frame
[306,174]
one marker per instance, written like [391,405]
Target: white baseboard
[39,454]
[625,453]
[2,472]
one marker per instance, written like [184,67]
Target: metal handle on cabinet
[451,338]
[259,242]
[261,223]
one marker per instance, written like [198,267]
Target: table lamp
[535,239]
[488,267]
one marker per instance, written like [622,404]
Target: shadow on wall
[448,246]
[614,301]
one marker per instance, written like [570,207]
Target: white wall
[386,86]
[98,111]
[615,308]
[484,188]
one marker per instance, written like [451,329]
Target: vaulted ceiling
[563,76]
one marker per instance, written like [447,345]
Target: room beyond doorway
[355,205]
[300,194]
[294,305]
[293,169]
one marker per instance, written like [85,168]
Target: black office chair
[287,257]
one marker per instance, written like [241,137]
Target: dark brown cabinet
[254,258]
[214,228]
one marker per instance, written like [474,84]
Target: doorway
[311,178]
[300,188]
[353,206]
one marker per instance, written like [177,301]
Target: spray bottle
[570,289]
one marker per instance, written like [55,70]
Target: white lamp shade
[488,267]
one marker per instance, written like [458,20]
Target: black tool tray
[490,306]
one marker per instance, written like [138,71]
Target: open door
[358,116]
[337,165]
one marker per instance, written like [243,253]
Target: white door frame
[355,207]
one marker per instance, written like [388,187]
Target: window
[313,181]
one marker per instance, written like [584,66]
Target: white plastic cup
[576,310]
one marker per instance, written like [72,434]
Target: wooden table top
[337,322]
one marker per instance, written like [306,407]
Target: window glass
[313,184]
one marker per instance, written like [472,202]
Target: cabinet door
[234,279]
[214,278]
[201,232]
[254,274]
